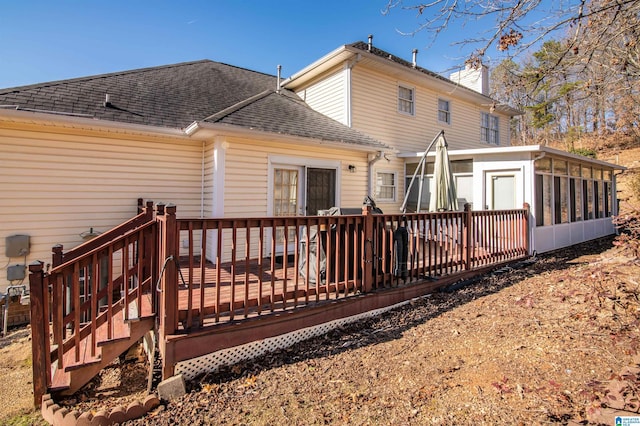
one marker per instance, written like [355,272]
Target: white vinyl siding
[328,96]
[247,191]
[374,103]
[246,179]
[208,189]
[57,186]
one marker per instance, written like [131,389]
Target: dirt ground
[534,345]
[550,342]
[545,342]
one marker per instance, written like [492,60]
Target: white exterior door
[501,191]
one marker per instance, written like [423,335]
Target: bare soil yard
[535,345]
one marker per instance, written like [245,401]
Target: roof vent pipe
[107,101]
[278,82]
[370,44]
[415,57]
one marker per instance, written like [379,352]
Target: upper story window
[444,111]
[489,129]
[406,100]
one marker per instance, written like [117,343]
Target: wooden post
[526,232]
[148,210]
[39,332]
[368,255]
[56,255]
[169,283]
[467,238]
[140,205]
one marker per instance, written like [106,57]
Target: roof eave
[316,68]
[86,123]
[347,52]
[202,130]
[515,149]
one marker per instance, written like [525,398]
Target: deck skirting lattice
[210,363]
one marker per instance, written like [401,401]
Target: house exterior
[572,198]
[211,138]
[222,141]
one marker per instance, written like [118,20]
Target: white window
[444,113]
[406,100]
[489,129]
[386,183]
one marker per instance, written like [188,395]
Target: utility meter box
[17,245]
[16,272]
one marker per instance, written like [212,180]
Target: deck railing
[233,269]
[86,288]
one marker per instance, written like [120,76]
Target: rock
[172,388]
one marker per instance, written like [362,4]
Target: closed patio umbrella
[444,195]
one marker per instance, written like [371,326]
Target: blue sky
[52,40]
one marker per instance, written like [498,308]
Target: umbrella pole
[421,166]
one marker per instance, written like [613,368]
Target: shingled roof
[175,96]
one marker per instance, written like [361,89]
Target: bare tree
[573,66]
[588,27]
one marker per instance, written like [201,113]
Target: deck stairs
[75,373]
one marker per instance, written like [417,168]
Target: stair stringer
[109,352]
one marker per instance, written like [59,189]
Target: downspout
[379,155]
[348,69]
[202,183]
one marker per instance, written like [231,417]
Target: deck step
[124,333]
[60,379]
[85,357]
[146,310]
[119,330]
[82,376]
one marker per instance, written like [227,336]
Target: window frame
[490,128]
[581,189]
[446,112]
[393,186]
[411,101]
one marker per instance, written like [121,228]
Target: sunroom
[571,197]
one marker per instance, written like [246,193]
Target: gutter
[379,156]
[505,150]
[207,130]
[84,122]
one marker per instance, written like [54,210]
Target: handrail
[120,236]
[141,218]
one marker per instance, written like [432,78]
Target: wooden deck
[373,261]
[257,287]
[251,291]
